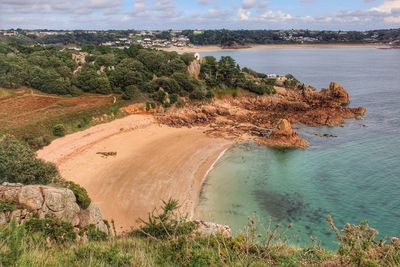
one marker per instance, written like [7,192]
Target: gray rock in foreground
[41,200]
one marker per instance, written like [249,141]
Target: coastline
[215,48]
[153,163]
[203,178]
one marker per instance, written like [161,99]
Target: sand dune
[153,163]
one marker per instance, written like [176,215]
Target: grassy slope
[29,114]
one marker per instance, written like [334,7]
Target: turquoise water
[353,177]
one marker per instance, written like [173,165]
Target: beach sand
[214,48]
[153,163]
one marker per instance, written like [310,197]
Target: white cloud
[388,6]
[244,14]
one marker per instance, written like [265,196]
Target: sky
[200,14]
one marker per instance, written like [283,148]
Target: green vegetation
[167,223]
[130,72]
[51,228]
[59,130]
[18,164]
[7,206]
[82,197]
[242,37]
[47,242]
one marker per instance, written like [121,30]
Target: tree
[89,81]
[18,164]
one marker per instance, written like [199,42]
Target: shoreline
[215,48]
[205,175]
[145,170]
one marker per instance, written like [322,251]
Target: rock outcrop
[209,229]
[194,69]
[256,117]
[43,200]
[283,136]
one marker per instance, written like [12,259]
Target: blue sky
[200,14]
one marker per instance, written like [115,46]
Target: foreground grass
[166,242]
[188,250]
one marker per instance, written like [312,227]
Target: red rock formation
[257,116]
[283,136]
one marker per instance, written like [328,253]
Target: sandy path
[153,163]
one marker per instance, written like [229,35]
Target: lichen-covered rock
[47,200]
[209,229]
[31,196]
[92,215]
[62,203]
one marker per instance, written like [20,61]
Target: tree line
[162,76]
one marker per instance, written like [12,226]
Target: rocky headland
[268,119]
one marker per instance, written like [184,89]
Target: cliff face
[43,200]
[266,118]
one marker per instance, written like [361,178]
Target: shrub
[95,234]
[56,230]
[82,197]
[197,94]
[187,58]
[110,255]
[180,103]
[37,142]
[59,130]
[11,242]
[167,224]
[7,206]
[131,92]
[18,164]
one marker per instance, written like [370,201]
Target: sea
[354,177]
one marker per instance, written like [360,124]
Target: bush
[180,103]
[7,206]
[197,94]
[56,230]
[167,224]
[18,164]
[59,130]
[82,197]
[95,234]
[131,92]
[37,142]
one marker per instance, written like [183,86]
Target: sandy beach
[214,48]
[153,163]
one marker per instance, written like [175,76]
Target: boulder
[47,200]
[209,229]
[62,203]
[92,215]
[31,196]
[284,127]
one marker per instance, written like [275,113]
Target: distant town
[189,38]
